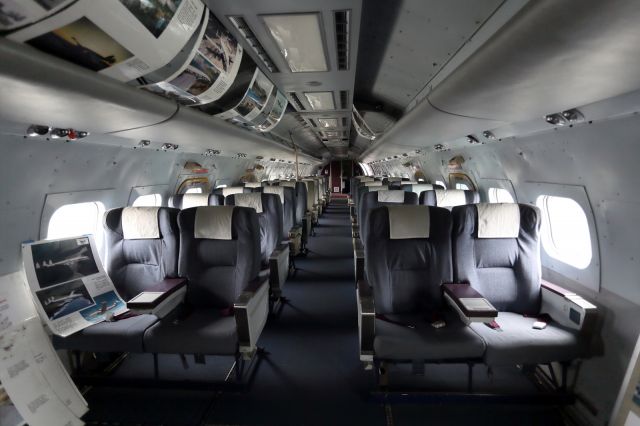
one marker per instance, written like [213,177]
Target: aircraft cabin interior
[337,212]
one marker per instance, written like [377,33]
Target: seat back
[365,188]
[230,190]
[269,210]
[300,199]
[219,253]
[448,198]
[312,198]
[417,188]
[408,257]
[375,199]
[185,201]
[253,184]
[287,198]
[142,247]
[496,248]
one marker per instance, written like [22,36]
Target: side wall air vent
[342,21]
[295,100]
[243,27]
[344,99]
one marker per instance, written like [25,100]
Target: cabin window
[193,191]
[500,195]
[72,220]
[149,200]
[565,231]
[199,185]
[461,181]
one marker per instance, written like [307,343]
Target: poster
[69,286]
[30,370]
[276,113]
[210,71]
[122,39]
[18,13]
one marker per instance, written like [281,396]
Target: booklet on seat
[161,298]
[470,305]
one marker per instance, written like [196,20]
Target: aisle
[312,375]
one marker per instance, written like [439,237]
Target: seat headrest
[419,187]
[373,183]
[365,178]
[394,196]
[253,184]
[232,190]
[278,190]
[450,198]
[252,200]
[498,220]
[378,188]
[409,182]
[288,184]
[194,200]
[394,179]
[407,222]
[140,223]
[213,222]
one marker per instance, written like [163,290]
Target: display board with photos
[70,288]
[32,375]
[137,40]
[122,39]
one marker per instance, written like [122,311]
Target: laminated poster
[122,39]
[210,71]
[70,289]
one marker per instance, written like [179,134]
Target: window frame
[496,189]
[452,183]
[97,236]
[154,194]
[590,276]
[137,191]
[192,182]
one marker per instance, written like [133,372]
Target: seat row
[488,253]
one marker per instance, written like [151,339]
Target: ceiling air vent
[344,99]
[243,27]
[295,100]
[342,18]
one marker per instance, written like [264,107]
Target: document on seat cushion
[474,304]
[146,297]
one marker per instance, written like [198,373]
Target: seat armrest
[366,320]
[161,298]
[278,269]
[251,310]
[567,308]
[358,259]
[470,305]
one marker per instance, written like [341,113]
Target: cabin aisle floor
[312,375]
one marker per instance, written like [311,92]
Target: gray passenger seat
[134,264]
[448,198]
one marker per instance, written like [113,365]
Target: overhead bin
[551,57]
[39,88]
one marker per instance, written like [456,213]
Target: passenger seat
[142,250]
[448,198]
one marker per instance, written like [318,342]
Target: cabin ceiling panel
[552,56]
[422,128]
[403,44]
[338,82]
[41,89]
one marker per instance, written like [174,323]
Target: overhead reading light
[299,38]
[320,101]
[37,130]
[556,119]
[328,122]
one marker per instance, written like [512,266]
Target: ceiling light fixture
[328,122]
[299,38]
[320,101]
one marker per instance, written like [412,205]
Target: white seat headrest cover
[378,188]
[363,179]
[498,220]
[393,196]
[450,198]
[373,183]
[253,184]
[418,188]
[288,184]
[252,200]
[407,222]
[195,200]
[140,223]
[278,190]
[232,190]
[213,222]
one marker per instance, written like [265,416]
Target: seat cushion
[424,342]
[125,335]
[204,331]
[519,343]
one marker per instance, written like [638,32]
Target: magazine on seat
[470,305]
[159,299]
